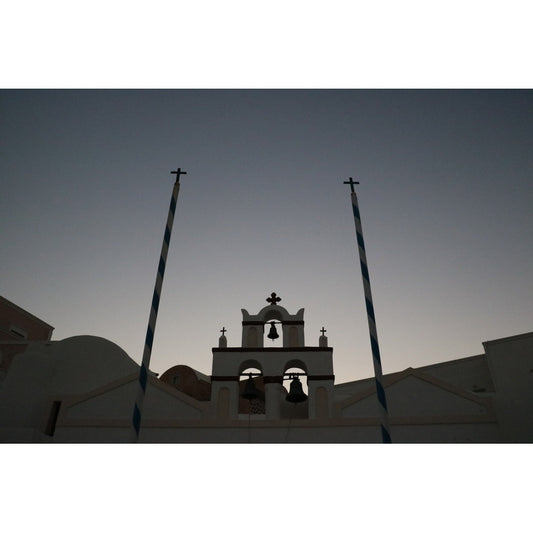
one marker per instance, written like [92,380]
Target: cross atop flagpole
[376,358]
[351,183]
[143,373]
[178,173]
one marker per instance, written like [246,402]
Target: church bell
[273,333]
[296,393]
[250,391]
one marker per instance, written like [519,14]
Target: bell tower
[274,367]
[253,326]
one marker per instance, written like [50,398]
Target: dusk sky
[445,197]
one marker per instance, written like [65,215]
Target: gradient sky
[446,199]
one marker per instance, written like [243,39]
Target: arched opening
[295,401]
[273,334]
[251,389]
[273,326]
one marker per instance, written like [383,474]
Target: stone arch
[295,363]
[277,312]
[250,363]
[273,314]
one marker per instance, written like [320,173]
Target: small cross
[323,330]
[351,183]
[178,174]
[273,300]
[223,330]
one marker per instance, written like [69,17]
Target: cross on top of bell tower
[273,300]
[178,173]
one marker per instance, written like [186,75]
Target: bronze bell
[296,393]
[273,333]
[250,391]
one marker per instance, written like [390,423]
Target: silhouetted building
[82,389]
[18,327]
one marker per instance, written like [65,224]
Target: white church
[82,390]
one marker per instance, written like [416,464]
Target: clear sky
[445,197]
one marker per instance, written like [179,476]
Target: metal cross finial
[351,183]
[178,174]
[323,330]
[273,300]
[223,330]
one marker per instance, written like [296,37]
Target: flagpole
[143,373]
[384,417]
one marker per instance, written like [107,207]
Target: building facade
[18,328]
[82,389]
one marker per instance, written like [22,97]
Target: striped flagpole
[385,433]
[143,374]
